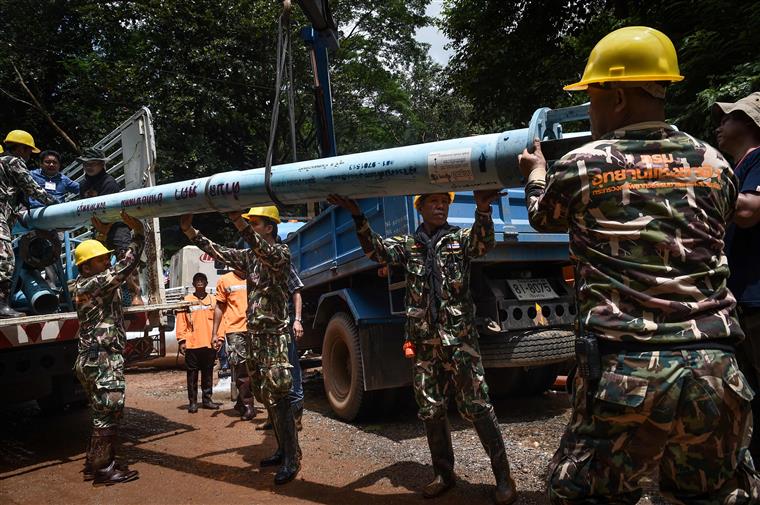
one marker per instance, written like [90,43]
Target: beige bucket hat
[750,105]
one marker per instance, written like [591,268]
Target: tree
[512,57]
[206,70]
[387,90]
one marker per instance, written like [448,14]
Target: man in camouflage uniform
[441,325]
[266,264]
[295,304]
[646,207]
[15,182]
[100,363]
[98,182]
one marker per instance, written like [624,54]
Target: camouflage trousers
[237,355]
[237,348]
[102,376]
[685,414]
[269,368]
[7,261]
[439,367]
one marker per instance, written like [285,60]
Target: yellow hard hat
[21,137]
[270,212]
[417,198]
[89,249]
[630,54]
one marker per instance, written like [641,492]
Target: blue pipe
[477,162]
[36,293]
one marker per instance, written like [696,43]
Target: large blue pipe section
[35,295]
[478,162]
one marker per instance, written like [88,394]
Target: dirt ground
[212,456]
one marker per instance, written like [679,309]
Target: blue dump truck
[354,308]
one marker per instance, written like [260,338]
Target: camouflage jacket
[448,316]
[267,267]
[646,207]
[16,182]
[98,301]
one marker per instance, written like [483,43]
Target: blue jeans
[296,389]
[224,363]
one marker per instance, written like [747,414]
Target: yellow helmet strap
[271,223]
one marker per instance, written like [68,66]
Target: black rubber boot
[245,397]
[276,458]
[89,473]
[281,414]
[207,388]
[192,391]
[248,412]
[442,455]
[103,458]
[266,425]
[488,430]
[5,295]
[298,414]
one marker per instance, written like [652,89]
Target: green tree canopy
[514,56]
[206,70]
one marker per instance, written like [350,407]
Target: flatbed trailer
[37,351]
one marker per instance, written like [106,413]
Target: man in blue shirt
[739,137]
[51,179]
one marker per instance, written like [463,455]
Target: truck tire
[528,349]
[342,368]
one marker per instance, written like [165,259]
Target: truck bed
[327,249]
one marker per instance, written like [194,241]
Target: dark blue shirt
[57,186]
[743,244]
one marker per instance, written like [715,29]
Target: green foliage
[206,70]
[387,90]
[514,56]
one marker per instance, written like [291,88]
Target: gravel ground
[187,458]
[532,428]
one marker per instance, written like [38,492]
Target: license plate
[531,289]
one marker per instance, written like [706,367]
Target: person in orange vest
[229,316]
[197,343]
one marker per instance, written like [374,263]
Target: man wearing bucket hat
[440,325]
[15,181]
[738,136]
[266,265]
[97,182]
[657,387]
[100,363]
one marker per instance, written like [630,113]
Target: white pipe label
[452,165]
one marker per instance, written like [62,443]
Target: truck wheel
[531,348]
[342,368]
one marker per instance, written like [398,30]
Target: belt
[613,347]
